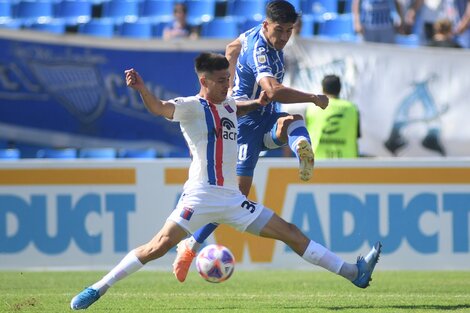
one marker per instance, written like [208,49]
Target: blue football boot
[365,266]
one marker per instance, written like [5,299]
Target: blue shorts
[255,134]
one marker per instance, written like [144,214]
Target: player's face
[217,84]
[277,34]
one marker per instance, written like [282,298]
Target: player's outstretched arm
[152,103]
[244,107]
[232,51]
[278,92]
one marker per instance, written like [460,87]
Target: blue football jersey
[257,59]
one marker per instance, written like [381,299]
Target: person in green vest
[335,130]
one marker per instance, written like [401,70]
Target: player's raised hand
[134,80]
[321,101]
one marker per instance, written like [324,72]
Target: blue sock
[295,132]
[202,233]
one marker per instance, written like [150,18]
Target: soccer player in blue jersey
[257,63]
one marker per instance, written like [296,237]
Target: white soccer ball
[215,263]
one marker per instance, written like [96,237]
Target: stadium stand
[249,23]
[157,29]
[97,153]
[338,27]
[160,10]
[9,154]
[246,9]
[319,6]
[221,27]
[98,27]
[121,10]
[141,29]
[29,12]
[407,40]
[149,153]
[67,153]
[56,26]
[5,11]
[200,11]
[11,24]
[74,11]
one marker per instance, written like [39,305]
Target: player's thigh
[239,212]
[250,144]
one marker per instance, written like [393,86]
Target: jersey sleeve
[185,109]
[259,63]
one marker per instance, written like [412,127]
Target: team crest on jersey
[261,58]
[186,213]
[228,108]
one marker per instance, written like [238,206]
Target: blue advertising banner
[69,93]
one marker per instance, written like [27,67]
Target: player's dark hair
[281,11]
[208,62]
[331,85]
[180,5]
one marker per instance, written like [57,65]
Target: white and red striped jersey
[210,130]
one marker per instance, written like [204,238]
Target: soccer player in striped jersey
[257,63]
[211,194]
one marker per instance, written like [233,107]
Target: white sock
[128,265]
[192,244]
[321,256]
[293,126]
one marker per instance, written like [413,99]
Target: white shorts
[199,207]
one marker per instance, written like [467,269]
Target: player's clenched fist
[321,101]
[134,80]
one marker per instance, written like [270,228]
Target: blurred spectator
[462,28]
[377,20]
[422,14]
[335,130]
[443,36]
[179,27]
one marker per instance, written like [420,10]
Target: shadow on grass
[405,307]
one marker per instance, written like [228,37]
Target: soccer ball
[215,263]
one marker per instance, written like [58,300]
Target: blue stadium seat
[74,11]
[249,23]
[221,27]
[56,26]
[149,153]
[346,6]
[407,40]
[5,11]
[298,4]
[161,10]
[67,153]
[11,24]
[246,9]
[200,11]
[319,6]
[176,154]
[140,29]
[97,153]
[338,27]
[158,27]
[9,154]
[308,25]
[97,27]
[30,11]
[121,10]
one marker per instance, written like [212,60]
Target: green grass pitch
[246,291]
